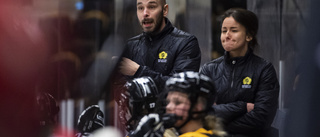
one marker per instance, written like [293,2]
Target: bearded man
[161,50]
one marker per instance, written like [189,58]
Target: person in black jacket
[247,85]
[161,50]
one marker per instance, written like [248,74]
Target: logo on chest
[246,82]
[162,57]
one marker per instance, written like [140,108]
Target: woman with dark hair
[247,85]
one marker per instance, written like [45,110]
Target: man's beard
[158,24]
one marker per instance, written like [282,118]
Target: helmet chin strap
[190,116]
[199,112]
[188,119]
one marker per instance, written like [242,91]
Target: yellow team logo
[163,55]
[247,81]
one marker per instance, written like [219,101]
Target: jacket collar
[237,60]
[167,29]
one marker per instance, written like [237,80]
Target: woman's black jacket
[242,80]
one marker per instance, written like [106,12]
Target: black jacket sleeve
[229,111]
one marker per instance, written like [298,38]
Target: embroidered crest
[162,57]
[246,82]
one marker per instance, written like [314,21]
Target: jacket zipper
[149,48]
[233,70]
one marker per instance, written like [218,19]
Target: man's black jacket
[248,79]
[160,56]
